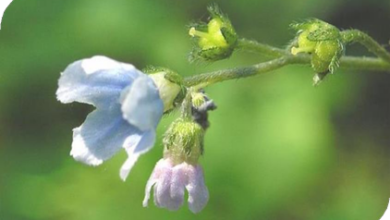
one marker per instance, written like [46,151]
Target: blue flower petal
[141,104]
[128,105]
[98,81]
[103,134]
[135,146]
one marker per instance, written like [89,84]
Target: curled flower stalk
[356,36]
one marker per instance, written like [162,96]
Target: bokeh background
[277,148]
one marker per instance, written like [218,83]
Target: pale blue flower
[128,109]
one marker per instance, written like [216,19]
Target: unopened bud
[323,41]
[215,40]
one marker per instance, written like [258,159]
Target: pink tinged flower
[169,182]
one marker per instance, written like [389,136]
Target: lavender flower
[179,168]
[129,105]
[170,180]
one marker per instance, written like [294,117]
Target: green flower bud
[323,41]
[169,84]
[215,40]
[183,141]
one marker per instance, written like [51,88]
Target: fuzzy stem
[186,106]
[351,36]
[206,79]
[254,46]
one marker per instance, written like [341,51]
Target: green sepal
[212,54]
[184,141]
[170,85]
[169,74]
[324,34]
[230,37]
[299,26]
[215,12]
[327,56]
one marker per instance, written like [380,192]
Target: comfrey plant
[130,103]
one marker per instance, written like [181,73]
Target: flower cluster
[129,105]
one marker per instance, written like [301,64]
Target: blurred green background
[277,148]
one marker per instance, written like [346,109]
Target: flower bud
[323,41]
[215,40]
[169,85]
[183,141]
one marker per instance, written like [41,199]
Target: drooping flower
[129,105]
[179,169]
[170,180]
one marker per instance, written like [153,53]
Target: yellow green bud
[323,41]
[215,40]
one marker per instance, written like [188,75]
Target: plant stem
[349,62]
[351,36]
[284,57]
[206,79]
[254,46]
[365,64]
[186,106]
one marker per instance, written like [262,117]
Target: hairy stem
[284,57]
[186,106]
[206,79]
[254,46]
[352,36]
